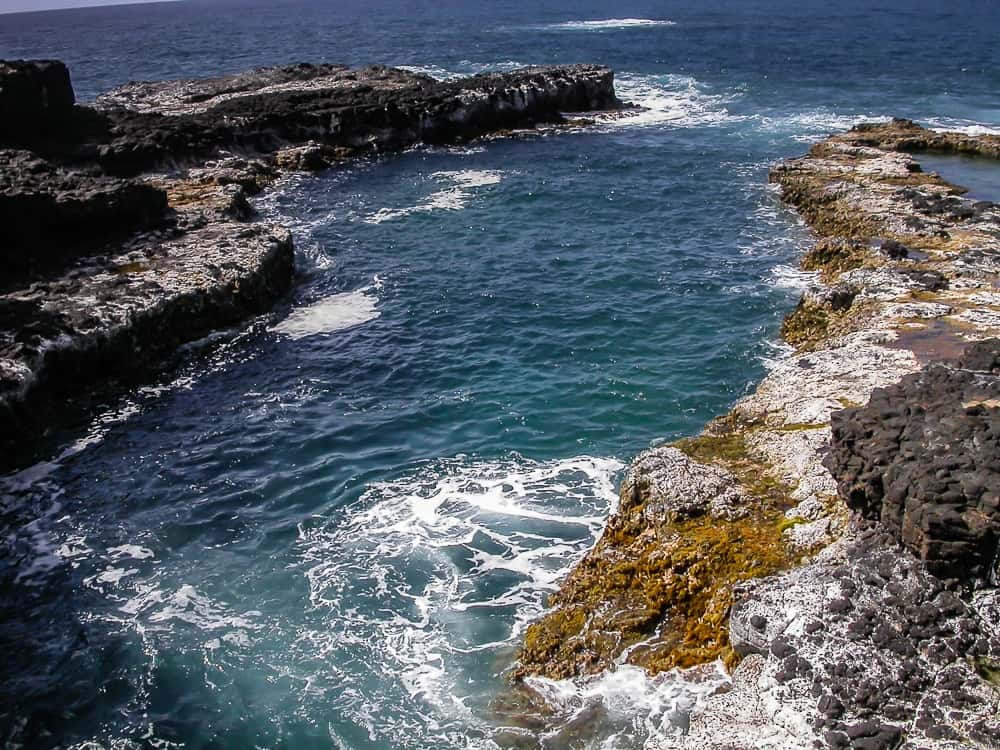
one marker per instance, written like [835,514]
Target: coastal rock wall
[51,214]
[373,108]
[121,314]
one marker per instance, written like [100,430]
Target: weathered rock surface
[123,313]
[374,108]
[923,457]
[36,99]
[860,648]
[656,589]
[908,136]
[51,214]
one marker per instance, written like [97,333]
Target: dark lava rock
[51,214]
[373,108]
[894,250]
[923,457]
[36,98]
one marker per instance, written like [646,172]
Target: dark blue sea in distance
[327,529]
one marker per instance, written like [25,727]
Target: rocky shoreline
[835,538]
[130,229]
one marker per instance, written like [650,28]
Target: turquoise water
[327,529]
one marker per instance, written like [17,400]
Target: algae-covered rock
[658,585]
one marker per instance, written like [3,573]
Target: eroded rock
[36,99]
[923,457]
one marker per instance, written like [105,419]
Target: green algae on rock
[695,519]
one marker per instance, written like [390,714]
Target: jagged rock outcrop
[655,592]
[859,636]
[51,214]
[906,135]
[862,648]
[373,108]
[123,313]
[923,458]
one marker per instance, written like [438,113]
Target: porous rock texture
[128,224]
[923,458]
[52,214]
[373,108]
[876,623]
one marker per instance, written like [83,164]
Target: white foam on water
[626,707]
[462,186]
[813,125]
[671,99]
[607,23]
[433,71]
[969,127]
[777,354]
[464,69]
[133,551]
[406,582]
[337,312]
[789,277]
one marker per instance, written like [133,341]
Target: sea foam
[608,23]
[440,570]
[462,185]
[670,99]
[337,312]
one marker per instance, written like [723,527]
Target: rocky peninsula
[129,230]
[835,538]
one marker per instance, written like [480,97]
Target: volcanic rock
[36,99]
[923,457]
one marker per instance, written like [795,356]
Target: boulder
[923,457]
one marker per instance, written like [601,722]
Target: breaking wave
[431,579]
[671,99]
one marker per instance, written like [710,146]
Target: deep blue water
[327,529]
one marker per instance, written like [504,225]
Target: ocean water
[328,528]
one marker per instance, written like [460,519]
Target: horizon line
[84,5]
